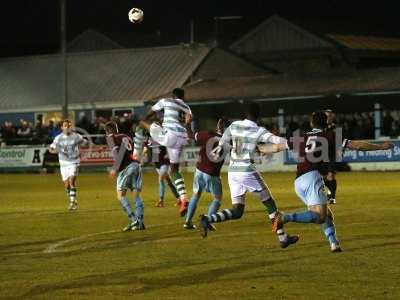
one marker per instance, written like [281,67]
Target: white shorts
[242,182]
[70,170]
[173,142]
[311,189]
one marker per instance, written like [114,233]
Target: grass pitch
[47,252]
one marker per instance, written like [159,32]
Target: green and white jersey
[139,142]
[245,135]
[174,109]
[68,148]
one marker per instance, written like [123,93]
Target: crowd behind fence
[358,125]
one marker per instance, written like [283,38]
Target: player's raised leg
[234,213]
[275,218]
[178,179]
[310,188]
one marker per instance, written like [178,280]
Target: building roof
[220,63]
[288,86]
[355,42]
[96,79]
[276,34]
[92,40]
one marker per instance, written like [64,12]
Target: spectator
[25,130]
[387,124]
[40,133]
[8,132]
[53,130]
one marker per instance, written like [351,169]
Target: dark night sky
[32,26]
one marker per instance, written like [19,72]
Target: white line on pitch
[52,247]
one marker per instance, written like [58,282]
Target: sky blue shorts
[311,189]
[130,178]
[204,182]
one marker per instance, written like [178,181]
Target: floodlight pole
[191,31]
[63,34]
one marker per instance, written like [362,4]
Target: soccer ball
[135,15]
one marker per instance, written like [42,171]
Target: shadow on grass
[146,285]
[211,275]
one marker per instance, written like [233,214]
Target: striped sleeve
[268,137]
[139,141]
[158,106]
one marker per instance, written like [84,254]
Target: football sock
[139,209]
[282,236]
[272,210]
[72,194]
[329,230]
[67,190]
[192,208]
[180,185]
[226,215]
[172,187]
[271,207]
[162,189]
[213,207]
[126,206]
[307,216]
[333,190]
[331,185]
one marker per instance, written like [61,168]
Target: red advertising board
[96,155]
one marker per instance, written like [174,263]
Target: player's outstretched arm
[366,146]
[271,148]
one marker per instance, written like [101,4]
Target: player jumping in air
[207,175]
[67,144]
[173,135]
[243,176]
[316,149]
[126,156]
[161,162]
